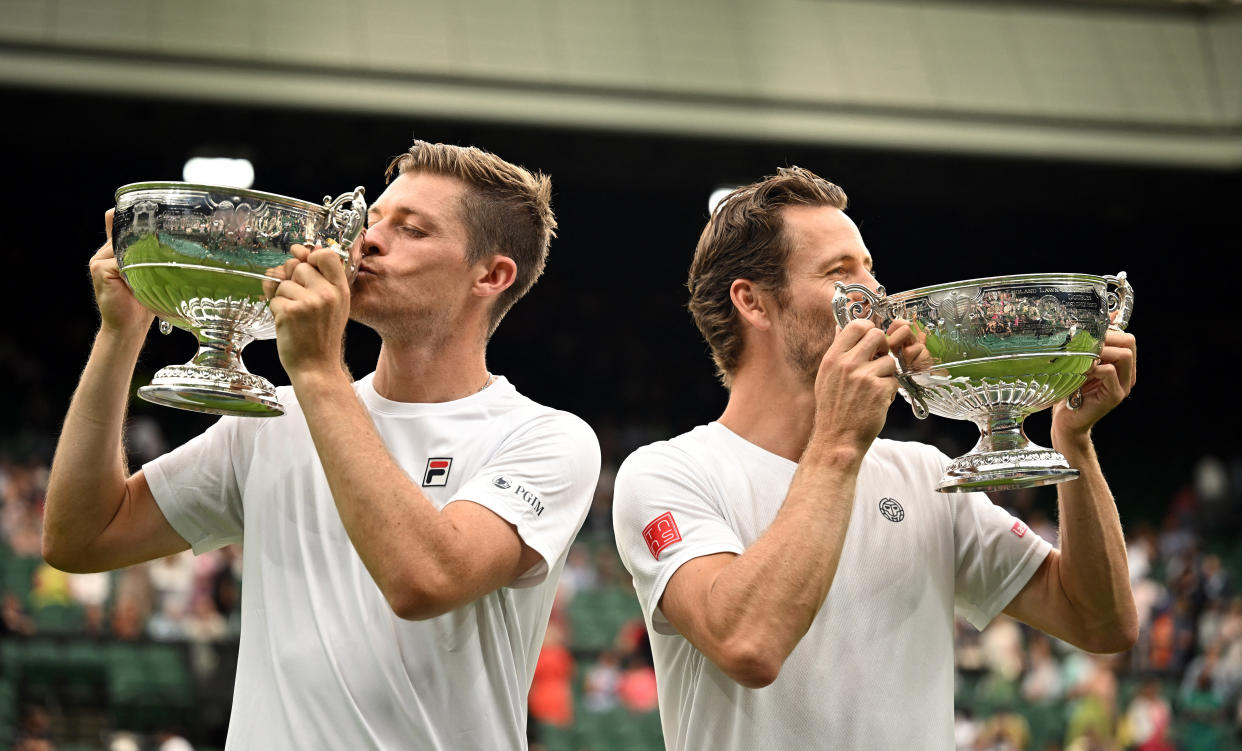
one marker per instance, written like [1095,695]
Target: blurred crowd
[1179,688]
[181,597]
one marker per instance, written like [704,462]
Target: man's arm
[747,612]
[425,560]
[1081,593]
[97,516]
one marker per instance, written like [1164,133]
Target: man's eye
[412,231]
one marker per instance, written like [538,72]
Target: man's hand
[119,311]
[909,344]
[310,303]
[1108,382]
[855,385]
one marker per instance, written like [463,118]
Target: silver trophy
[197,257]
[1001,348]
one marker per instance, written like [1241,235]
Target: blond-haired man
[799,575]
[403,533]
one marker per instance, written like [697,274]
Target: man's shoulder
[687,452]
[518,417]
[904,452]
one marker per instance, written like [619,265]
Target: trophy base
[1005,470]
[212,390]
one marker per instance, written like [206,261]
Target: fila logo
[1018,529]
[660,533]
[437,472]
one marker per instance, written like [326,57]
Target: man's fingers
[108,223]
[1127,365]
[328,261]
[300,252]
[848,337]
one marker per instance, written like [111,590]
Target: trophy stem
[1004,459]
[215,380]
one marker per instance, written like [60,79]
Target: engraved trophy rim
[1006,279]
[167,187]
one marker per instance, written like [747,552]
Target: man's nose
[369,243]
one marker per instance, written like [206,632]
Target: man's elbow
[1106,641]
[63,557]
[751,666]
[1113,642]
[411,602]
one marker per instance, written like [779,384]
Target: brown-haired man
[403,534]
[798,574]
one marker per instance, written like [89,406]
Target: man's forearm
[1093,566]
[399,534]
[87,480]
[765,600]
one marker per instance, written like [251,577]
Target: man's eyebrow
[403,211]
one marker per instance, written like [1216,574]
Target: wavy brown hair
[745,239]
[506,209]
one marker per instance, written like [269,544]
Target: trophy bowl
[1001,348]
[197,257]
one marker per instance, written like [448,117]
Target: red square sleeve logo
[660,533]
[1018,529]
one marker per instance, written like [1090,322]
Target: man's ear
[753,304]
[495,275]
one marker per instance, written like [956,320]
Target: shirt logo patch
[660,533]
[504,483]
[437,472]
[892,510]
[1018,529]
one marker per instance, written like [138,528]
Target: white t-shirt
[875,670]
[324,662]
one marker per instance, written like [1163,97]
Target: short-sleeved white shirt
[875,670]
[324,662]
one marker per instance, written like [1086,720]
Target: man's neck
[426,372]
[774,410]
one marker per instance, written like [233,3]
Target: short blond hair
[745,239]
[506,208]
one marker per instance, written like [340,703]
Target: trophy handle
[1121,301]
[348,221]
[845,309]
[874,304]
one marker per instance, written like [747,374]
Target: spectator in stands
[636,690]
[1042,681]
[14,621]
[551,697]
[1150,717]
[600,684]
[1093,711]
[204,623]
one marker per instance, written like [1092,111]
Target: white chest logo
[892,510]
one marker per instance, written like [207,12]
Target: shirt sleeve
[997,554]
[541,480]
[198,485]
[665,513]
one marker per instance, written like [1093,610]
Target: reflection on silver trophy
[197,256]
[1001,349]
